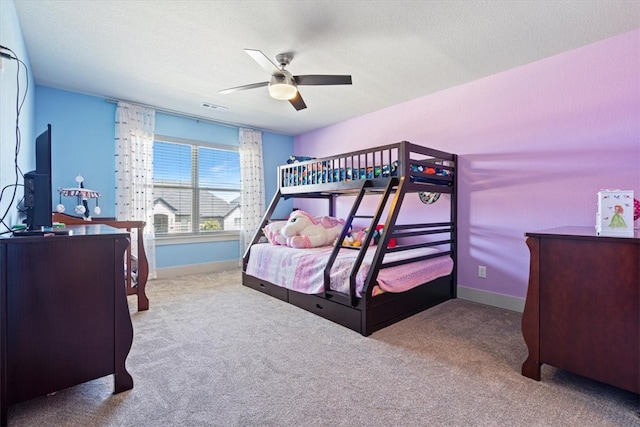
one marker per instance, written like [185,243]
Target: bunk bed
[410,268]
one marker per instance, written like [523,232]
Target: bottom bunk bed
[387,276]
[296,276]
[385,310]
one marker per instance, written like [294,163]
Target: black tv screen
[38,199]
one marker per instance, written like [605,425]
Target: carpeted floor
[211,352]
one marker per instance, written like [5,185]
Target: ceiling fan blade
[264,61]
[244,87]
[318,80]
[298,102]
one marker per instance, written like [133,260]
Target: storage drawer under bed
[338,313]
[265,287]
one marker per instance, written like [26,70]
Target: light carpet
[211,352]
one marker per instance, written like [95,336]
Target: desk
[582,311]
[63,311]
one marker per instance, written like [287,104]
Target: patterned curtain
[134,173]
[252,178]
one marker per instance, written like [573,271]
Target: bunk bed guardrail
[422,166]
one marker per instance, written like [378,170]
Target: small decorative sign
[615,213]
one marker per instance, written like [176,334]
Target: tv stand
[63,312]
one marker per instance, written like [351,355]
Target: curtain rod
[185,115]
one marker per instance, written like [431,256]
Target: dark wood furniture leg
[139,289]
[124,336]
[531,315]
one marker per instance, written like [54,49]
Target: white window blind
[196,187]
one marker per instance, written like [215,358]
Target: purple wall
[535,145]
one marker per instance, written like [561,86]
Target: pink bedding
[302,270]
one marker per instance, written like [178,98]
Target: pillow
[272,233]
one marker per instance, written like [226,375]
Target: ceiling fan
[283,85]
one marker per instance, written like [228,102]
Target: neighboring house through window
[196,187]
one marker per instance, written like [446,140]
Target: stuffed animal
[377,234]
[350,240]
[304,231]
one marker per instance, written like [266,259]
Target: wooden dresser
[64,317]
[582,312]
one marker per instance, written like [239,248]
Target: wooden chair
[139,264]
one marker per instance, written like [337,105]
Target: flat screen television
[38,199]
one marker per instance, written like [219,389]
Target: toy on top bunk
[422,173]
[298,159]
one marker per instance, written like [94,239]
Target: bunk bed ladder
[390,222]
[328,293]
[351,299]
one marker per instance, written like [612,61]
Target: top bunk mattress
[302,270]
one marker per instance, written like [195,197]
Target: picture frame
[615,213]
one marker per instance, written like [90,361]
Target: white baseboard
[184,270]
[489,298]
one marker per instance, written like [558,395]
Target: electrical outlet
[482,271]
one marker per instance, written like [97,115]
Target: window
[196,187]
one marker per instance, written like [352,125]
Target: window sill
[180,239]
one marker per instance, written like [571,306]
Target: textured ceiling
[175,55]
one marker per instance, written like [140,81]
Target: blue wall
[82,139]
[11,37]
[182,127]
[276,150]
[83,132]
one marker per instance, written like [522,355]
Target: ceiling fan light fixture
[282,87]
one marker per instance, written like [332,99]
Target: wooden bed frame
[134,285]
[324,178]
